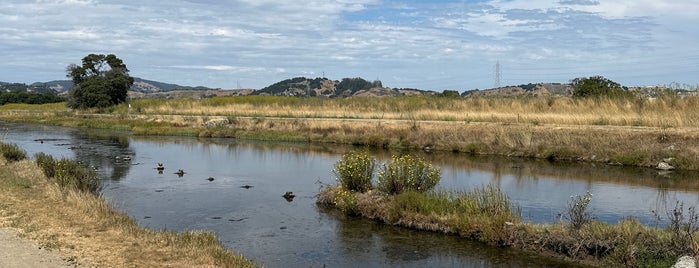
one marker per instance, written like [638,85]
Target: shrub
[71,174]
[355,170]
[12,152]
[576,212]
[47,164]
[408,173]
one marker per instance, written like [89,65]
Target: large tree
[597,86]
[101,81]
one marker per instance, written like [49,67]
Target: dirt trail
[22,253]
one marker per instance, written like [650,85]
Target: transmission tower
[498,74]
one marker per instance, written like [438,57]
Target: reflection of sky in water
[542,199]
[259,223]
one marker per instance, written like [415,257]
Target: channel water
[234,188]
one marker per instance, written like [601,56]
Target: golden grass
[662,112]
[86,227]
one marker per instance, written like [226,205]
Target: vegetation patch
[407,173]
[355,171]
[69,174]
[12,152]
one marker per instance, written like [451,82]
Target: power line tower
[498,74]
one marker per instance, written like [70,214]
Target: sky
[431,45]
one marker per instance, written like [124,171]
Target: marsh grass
[84,227]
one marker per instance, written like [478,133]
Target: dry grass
[85,226]
[662,112]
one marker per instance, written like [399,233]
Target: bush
[355,170]
[70,174]
[46,163]
[12,152]
[576,212]
[408,173]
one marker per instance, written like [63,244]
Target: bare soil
[24,253]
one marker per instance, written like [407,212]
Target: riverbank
[618,139]
[89,232]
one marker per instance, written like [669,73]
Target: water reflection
[104,150]
[363,239]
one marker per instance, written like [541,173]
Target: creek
[234,188]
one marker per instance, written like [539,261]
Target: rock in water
[289,196]
[664,166]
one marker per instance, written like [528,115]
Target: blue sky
[432,45]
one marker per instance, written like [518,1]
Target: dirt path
[22,253]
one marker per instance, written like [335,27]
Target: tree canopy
[28,97]
[101,81]
[597,86]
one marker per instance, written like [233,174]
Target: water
[259,223]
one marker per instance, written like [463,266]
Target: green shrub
[12,152]
[46,163]
[355,170]
[71,174]
[408,173]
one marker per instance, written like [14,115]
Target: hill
[323,87]
[540,89]
[61,86]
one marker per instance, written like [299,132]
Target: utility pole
[498,74]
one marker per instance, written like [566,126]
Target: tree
[450,94]
[101,81]
[597,86]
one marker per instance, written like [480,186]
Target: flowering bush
[355,170]
[346,201]
[577,212]
[408,173]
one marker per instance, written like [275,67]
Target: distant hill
[540,89]
[61,86]
[323,87]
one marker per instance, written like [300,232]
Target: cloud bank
[421,44]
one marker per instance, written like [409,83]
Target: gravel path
[22,253]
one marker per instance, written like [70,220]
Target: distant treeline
[28,97]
